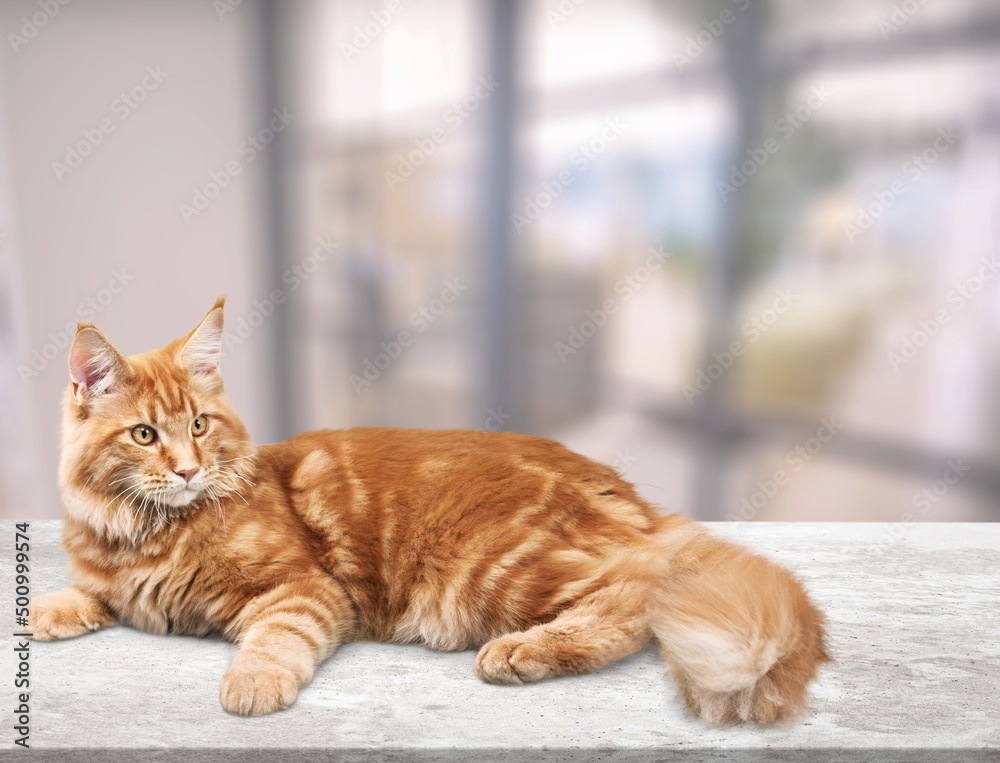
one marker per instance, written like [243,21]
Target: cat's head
[150,438]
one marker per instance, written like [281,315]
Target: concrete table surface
[914,626]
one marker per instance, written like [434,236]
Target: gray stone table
[914,624]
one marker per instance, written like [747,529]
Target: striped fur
[546,562]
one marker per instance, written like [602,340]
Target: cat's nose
[187,474]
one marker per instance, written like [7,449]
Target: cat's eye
[199,426]
[143,434]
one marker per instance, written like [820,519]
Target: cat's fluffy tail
[740,635]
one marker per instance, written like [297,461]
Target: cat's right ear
[95,366]
[203,347]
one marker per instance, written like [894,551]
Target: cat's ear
[95,366]
[203,347]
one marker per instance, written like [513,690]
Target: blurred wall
[174,87]
[745,252]
[698,240]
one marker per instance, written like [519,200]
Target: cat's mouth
[181,496]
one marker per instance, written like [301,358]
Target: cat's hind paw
[512,659]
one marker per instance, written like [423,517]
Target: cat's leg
[604,627]
[66,614]
[283,635]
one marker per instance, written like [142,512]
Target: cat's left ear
[203,348]
[95,366]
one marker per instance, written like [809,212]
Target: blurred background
[748,253]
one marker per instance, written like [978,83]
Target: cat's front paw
[66,614]
[249,690]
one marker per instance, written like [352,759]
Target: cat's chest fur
[158,592]
[193,580]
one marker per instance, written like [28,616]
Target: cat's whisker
[133,494]
[239,493]
[117,496]
[156,505]
[212,494]
[224,479]
[233,473]
[249,457]
[232,490]
[221,514]
[157,491]
[142,505]
[120,494]
[248,482]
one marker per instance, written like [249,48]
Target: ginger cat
[546,562]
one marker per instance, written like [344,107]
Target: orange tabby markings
[359,498]
[548,562]
[315,467]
